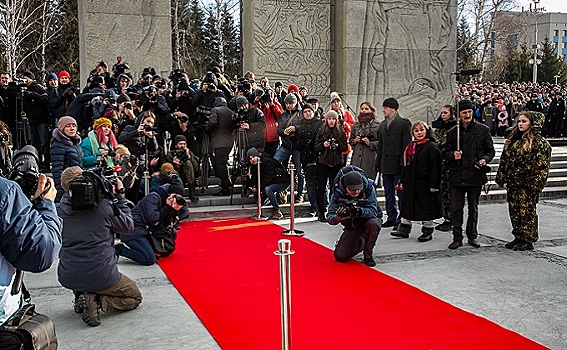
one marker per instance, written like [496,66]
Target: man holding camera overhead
[354,205]
[469,149]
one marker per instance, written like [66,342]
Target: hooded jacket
[65,152]
[221,126]
[368,193]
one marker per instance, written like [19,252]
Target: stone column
[139,31]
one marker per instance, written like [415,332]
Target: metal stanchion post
[292,231]
[284,252]
[259,216]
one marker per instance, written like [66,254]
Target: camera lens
[180,200]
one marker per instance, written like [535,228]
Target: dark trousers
[325,174]
[40,140]
[220,162]
[457,205]
[389,181]
[362,237]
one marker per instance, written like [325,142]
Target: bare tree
[26,28]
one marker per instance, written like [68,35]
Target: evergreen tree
[551,64]
[465,53]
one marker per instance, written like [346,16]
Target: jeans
[270,192]
[139,250]
[325,174]
[311,185]
[282,155]
[389,181]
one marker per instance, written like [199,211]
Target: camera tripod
[205,161]
[239,164]
[23,131]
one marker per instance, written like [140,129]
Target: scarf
[365,118]
[96,148]
[410,149]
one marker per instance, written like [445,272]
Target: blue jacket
[370,210]
[65,152]
[152,211]
[30,239]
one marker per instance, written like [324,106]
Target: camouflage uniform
[525,174]
[441,130]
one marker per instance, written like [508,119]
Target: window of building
[565,45]
[565,33]
[556,33]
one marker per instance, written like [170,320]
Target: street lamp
[535,61]
[556,77]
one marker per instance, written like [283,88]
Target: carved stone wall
[139,31]
[289,41]
[367,50]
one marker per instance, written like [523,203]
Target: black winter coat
[36,104]
[476,143]
[422,173]
[305,134]
[255,134]
[328,156]
[392,142]
[65,152]
[221,126]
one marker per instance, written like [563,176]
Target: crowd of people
[157,140]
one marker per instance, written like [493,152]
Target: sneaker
[522,246]
[402,231]
[312,214]
[276,215]
[369,261]
[510,245]
[299,199]
[90,307]
[445,226]
[79,302]
[455,244]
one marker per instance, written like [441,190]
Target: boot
[192,196]
[426,234]
[402,231]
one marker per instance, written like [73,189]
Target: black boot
[402,231]
[192,196]
[510,245]
[426,234]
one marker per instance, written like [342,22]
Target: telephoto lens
[180,200]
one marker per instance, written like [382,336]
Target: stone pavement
[522,291]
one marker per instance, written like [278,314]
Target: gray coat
[88,260]
[392,143]
[364,156]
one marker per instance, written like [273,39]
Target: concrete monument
[139,31]
[367,50]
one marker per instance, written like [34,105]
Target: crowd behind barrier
[157,140]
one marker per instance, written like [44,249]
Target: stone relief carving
[292,42]
[405,45]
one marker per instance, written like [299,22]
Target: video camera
[25,171]
[18,83]
[89,190]
[240,117]
[350,208]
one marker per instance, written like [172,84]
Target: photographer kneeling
[155,213]
[88,263]
[354,205]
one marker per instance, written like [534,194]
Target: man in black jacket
[36,103]
[273,179]
[468,154]
[394,134]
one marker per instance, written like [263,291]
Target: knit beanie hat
[51,76]
[100,122]
[176,187]
[353,181]
[166,168]
[241,101]
[64,73]
[464,105]
[70,174]
[331,114]
[391,102]
[63,121]
[292,88]
[290,98]
[178,139]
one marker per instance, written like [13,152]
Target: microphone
[471,71]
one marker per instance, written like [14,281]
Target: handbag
[161,240]
[28,330]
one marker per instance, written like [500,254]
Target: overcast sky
[549,5]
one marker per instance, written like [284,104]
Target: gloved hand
[342,212]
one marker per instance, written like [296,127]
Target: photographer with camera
[141,142]
[100,145]
[354,206]
[30,237]
[186,164]
[156,212]
[65,150]
[88,264]
[123,82]
[272,111]
[252,121]
[221,127]
[330,143]
[61,93]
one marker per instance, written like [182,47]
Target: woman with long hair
[364,139]
[330,143]
[100,144]
[523,169]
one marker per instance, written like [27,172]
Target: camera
[266,98]
[484,168]
[88,191]
[350,208]
[180,200]
[182,118]
[128,105]
[101,63]
[334,144]
[149,128]
[181,154]
[240,117]
[25,171]
[362,136]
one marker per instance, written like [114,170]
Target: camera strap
[295,114]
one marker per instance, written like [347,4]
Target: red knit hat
[292,88]
[64,73]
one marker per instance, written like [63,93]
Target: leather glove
[355,212]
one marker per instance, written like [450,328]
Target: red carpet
[227,271]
